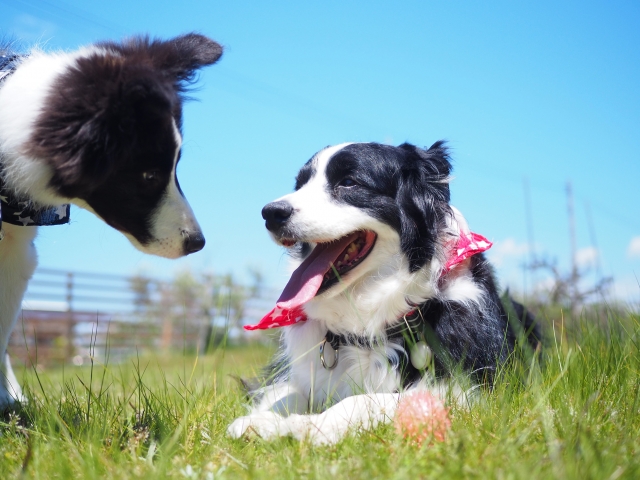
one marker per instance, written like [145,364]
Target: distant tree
[568,289]
[201,301]
[140,286]
[188,294]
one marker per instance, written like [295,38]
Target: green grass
[575,413]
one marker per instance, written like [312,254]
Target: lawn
[572,412]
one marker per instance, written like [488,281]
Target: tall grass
[570,411]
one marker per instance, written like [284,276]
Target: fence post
[166,302]
[69,350]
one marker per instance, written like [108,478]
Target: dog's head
[109,131]
[357,205]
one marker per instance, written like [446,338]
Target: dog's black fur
[100,128]
[407,188]
[381,220]
[475,339]
[110,121]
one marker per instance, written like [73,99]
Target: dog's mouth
[348,258]
[325,266]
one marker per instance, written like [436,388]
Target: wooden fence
[71,316]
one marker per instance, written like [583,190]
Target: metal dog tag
[329,361]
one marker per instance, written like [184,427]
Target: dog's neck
[23,213]
[22,93]
[381,296]
[377,300]
[25,196]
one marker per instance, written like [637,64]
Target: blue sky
[547,91]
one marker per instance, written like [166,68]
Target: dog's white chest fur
[357,371]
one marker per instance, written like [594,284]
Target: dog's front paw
[10,392]
[323,431]
[238,427]
[267,425]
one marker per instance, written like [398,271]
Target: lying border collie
[392,293]
[100,128]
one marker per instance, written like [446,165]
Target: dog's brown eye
[151,176]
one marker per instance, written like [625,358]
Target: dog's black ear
[184,55]
[178,58]
[423,198]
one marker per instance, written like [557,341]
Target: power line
[287,101]
[69,13]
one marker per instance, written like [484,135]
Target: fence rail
[68,316]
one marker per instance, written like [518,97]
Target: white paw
[317,429]
[267,425]
[10,391]
[238,427]
[324,431]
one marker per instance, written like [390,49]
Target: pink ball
[421,416]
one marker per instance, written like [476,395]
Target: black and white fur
[100,128]
[401,194]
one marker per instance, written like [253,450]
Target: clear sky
[548,91]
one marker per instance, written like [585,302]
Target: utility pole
[573,283]
[70,318]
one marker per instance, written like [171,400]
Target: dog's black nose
[193,242]
[276,214]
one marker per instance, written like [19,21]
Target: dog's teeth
[346,257]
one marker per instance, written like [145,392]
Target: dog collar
[408,330]
[24,214]
[467,245]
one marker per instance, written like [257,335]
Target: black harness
[20,211]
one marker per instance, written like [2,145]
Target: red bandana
[469,244]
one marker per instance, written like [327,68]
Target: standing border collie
[99,128]
[392,293]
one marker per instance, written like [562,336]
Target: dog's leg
[12,386]
[359,411]
[363,412]
[274,404]
[17,263]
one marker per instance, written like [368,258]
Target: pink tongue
[307,278]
